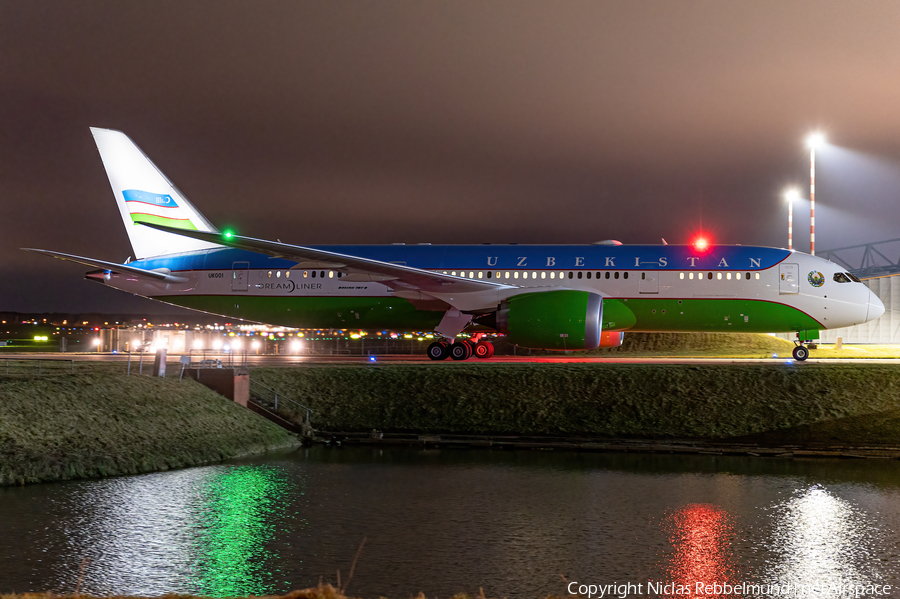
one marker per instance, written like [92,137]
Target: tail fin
[144,194]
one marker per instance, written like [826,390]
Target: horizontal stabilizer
[111,266]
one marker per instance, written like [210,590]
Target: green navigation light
[228,234]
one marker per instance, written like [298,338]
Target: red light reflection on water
[701,536]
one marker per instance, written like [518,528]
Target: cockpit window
[840,277]
[853,277]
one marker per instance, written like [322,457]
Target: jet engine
[560,320]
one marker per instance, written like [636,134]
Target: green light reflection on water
[238,513]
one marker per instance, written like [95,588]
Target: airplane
[552,297]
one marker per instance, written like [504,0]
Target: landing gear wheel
[484,350]
[800,353]
[438,351]
[461,351]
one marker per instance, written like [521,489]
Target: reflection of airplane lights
[820,539]
[701,535]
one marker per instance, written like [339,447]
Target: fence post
[39,367]
[129,363]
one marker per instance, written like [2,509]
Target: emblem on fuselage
[816,279]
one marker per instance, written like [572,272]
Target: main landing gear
[462,349]
[800,353]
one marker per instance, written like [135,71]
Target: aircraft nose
[876,308]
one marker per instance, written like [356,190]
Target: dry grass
[323,591]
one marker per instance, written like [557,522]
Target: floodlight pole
[812,199]
[790,223]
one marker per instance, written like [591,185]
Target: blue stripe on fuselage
[504,257]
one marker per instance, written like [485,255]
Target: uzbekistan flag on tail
[156,208]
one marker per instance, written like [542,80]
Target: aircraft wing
[393,275]
[112,266]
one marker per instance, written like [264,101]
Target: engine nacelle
[611,338]
[560,320]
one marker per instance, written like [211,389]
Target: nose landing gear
[800,353]
[804,342]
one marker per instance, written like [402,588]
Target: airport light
[790,195]
[814,140]
[96,343]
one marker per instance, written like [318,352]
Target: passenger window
[709,276]
[681,275]
[643,276]
[480,274]
[322,274]
[516,275]
[471,274]
[314,274]
[543,274]
[305,273]
[330,274]
[270,274]
[606,276]
[278,274]
[748,276]
[691,276]
[571,275]
[580,274]
[757,275]
[728,276]
[625,275]
[719,276]
[506,275]
[589,275]
[287,274]
[489,274]
[616,276]
[552,274]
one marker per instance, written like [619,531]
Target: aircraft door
[240,275]
[788,282]
[649,282]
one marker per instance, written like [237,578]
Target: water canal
[449,521]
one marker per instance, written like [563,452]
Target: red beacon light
[701,244]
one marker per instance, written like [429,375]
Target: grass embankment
[720,345]
[857,403]
[100,424]
[714,345]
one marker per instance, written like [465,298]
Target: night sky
[446,122]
